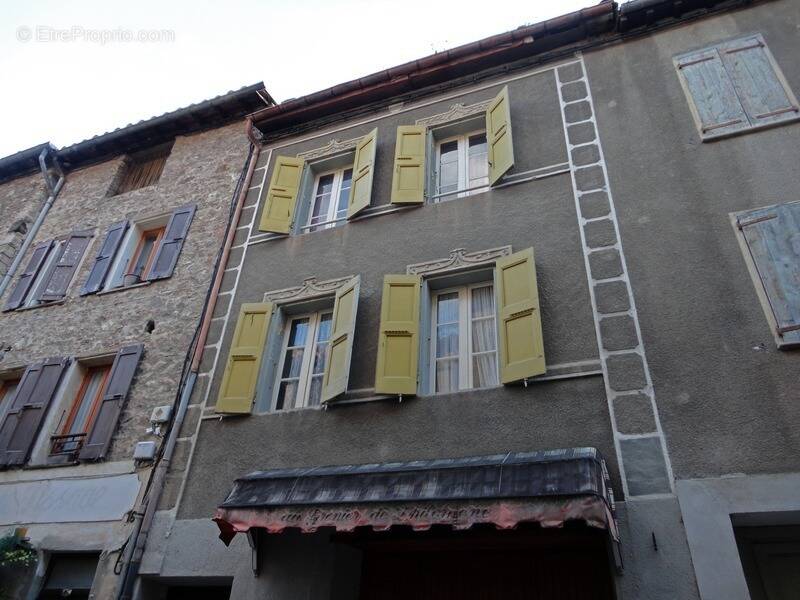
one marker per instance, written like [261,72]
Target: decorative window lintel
[459,259]
[311,288]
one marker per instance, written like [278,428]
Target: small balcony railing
[66,445]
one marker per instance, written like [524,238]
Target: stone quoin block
[582,133]
[246,217]
[594,205]
[634,414]
[570,72]
[589,178]
[573,91]
[600,233]
[605,264]
[580,111]
[645,469]
[626,372]
[252,196]
[209,354]
[618,333]
[612,297]
[585,155]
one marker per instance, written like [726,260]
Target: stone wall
[20,202]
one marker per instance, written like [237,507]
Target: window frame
[331,220]
[464,188]
[76,403]
[712,134]
[129,249]
[306,375]
[466,377]
[159,235]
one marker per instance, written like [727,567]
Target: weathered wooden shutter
[711,92]
[398,342]
[24,418]
[498,134]
[67,262]
[281,201]
[238,387]
[26,279]
[172,242]
[756,81]
[408,181]
[363,171]
[340,349]
[104,258]
[521,346]
[119,383]
[773,238]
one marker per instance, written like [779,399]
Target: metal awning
[546,487]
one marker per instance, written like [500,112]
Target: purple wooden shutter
[70,255]
[29,406]
[104,258]
[119,382]
[27,277]
[172,242]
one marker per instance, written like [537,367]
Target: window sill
[710,137]
[42,305]
[122,288]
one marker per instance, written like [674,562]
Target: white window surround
[467,182]
[309,354]
[128,248]
[339,181]
[469,347]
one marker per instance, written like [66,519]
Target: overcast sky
[70,70]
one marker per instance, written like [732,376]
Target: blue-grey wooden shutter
[104,258]
[757,82]
[172,242]
[712,94]
[119,383]
[24,418]
[26,279]
[773,238]
[69,256]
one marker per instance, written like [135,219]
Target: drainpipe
[134,551]
[54,188]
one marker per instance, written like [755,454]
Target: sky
[72,70]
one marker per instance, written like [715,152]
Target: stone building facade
[654,176]
[97,326]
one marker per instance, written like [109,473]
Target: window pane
[297,337]
[483,302]
[478,162]
[287,393]
[322,200]
[80,422]
[483,336]
[484,370]
[447,375]
[344,193]
[448,167]
[324,332]
[144,255]
[315,392]
[447,308]
[447,340]
[292,363]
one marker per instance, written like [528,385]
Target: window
[771,241]
[464,338]
[49,271]
[303,362]
[462,165]
[80,418]
[330,198]
[69,575]
[142,258]
[735,86]
[141,170]
[8,388]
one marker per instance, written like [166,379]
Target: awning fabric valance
[546,487]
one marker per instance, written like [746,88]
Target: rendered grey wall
[727,397]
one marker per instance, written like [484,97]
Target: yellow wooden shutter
[521,347]
[408,182]
[337,367]
[282,195]
[238,385]
[498,133]
[398,343]
[363,170]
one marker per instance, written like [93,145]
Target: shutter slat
[238,387]
[712,93]
[363,171]
[763,96]
[26,278]
[119,383]
[24,418]
[281,198]
[520,330]
[171,244]
[70,256]
[398,343]
[340,349]
[104,258]
[408,181]
[773,238]
[498,134]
